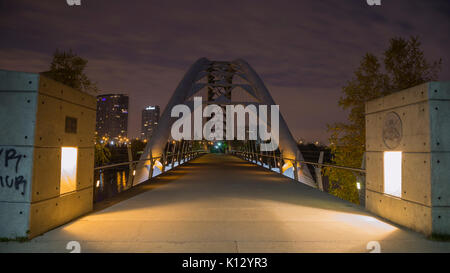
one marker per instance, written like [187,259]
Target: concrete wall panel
[47,173]
[58,90]
[54,212]
[85,175]
[440,125]
[409,214]
[441,220]
[50,122]
[439,90]
[14,219]
[85,125]
[18,114]
[374,167]
[374,131]
[415,136]
[416,175]
[440,179]
[405,97]
[16,167]
[18,81]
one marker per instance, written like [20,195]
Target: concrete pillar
[415,122]
[39,190]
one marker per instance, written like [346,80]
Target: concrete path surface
[220,203]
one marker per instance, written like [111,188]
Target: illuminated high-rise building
[112,116]
[150,118]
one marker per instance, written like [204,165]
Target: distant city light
[150,108]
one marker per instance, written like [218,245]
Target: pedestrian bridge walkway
[220,203]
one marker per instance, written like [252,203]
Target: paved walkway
[219,203]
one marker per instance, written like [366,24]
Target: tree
[102,154]
[69,69]
[137,148]
[405,66]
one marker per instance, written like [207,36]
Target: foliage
[137,147]
[405,66]
[69,69]
[102,154]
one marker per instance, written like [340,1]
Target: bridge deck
[219,203]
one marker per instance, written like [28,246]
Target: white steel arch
[219,78]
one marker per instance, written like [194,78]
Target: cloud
[304,51]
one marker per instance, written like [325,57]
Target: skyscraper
[150,118]
[112,116]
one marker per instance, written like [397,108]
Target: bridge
[222,203]
[250,196]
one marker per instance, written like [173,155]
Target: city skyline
[236,128]
[305,51]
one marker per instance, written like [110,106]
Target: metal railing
[280,159]
[114,178]
[273,161]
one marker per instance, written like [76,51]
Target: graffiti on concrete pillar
[10,175]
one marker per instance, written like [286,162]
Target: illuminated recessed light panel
[68,182]
[393,173]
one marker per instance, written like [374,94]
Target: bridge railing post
[318,171]
[180,151]
[131,166]
[189,150]
[255,151]
[250,149]
[296,170]
[274,159]
[164,157]
[173,153]
[250,155]
[262,158]
[150,171]
[280,163]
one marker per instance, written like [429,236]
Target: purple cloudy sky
[305,51]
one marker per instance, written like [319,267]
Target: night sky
[305,51]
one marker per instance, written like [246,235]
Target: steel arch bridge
[223,83]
